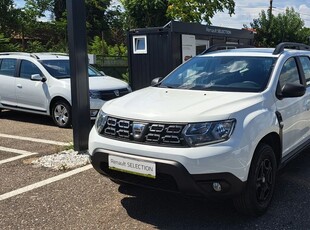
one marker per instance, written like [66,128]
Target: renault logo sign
[138,130]
[116,92]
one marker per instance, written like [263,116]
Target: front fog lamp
[198,134]
[100,121]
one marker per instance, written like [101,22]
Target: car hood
[180,105]
[103,83]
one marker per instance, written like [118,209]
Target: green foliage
[117,50]
[7,46]
[145,13]
[35,46]
[271,30]
[198,10]
[125,76]
[8,17]
[100,47]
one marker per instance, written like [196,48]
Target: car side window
[27,69]
[305,63]
[289,73]
[8,67]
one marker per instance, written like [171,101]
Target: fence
[114,66]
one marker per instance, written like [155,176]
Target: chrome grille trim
[174,129]
[110,131]
[171,139]
[158,128]
[151,133]
[111,121]
[152,137]
[123,124]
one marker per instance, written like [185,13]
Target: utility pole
[269,33]
[270,10]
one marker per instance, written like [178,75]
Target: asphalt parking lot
[40,198]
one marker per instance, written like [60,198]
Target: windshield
[61,69]
[222,73]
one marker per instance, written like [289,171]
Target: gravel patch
[64,160]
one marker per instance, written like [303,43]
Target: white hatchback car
[40,83]
[220,125]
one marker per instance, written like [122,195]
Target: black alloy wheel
[258,193]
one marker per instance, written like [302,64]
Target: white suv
[40,83]
[220,125]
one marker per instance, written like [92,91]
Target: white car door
[31,94]
[7,82]
[293,110]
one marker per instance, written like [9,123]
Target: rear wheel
[258,193]
[61,113]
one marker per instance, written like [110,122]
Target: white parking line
[43,183]
[15,158]
[22,153]
[34,140]
[18,151]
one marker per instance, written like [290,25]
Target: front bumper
[172,176]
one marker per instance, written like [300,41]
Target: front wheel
[61,113]
[256,197]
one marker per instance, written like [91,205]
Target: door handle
[19,86]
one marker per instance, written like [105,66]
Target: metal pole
[79,73]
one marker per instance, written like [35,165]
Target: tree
[198,10]
[8,17]
[6,45]
[144,13]
[287,26]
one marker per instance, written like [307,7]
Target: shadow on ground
[289,209]
[27,117]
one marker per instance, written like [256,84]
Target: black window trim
[301,70]
[298,65]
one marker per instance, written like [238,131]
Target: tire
[257,196]
[61,114]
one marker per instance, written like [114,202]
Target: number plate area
[132,166]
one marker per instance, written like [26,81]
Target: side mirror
[155,81]
[37,77]
[292,90]
[102,73]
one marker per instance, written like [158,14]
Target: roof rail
[52,53]
[20,53]
[225,47]
[298,46]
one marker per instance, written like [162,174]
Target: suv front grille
[147,133]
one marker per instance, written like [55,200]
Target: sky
[246,11]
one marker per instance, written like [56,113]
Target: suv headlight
[100,121]
[205,133]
